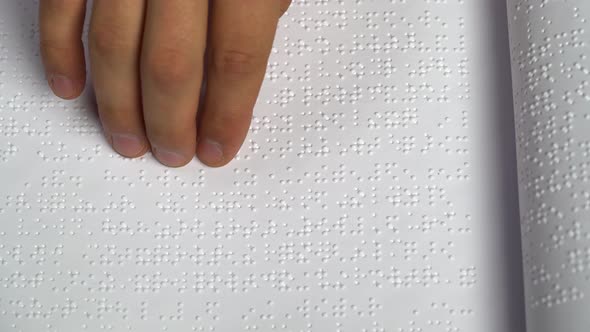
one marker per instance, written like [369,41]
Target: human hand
[148,60]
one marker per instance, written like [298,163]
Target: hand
[148,60]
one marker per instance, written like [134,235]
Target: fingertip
[210,152]
[170,158]
[129,146]
[61,46]
[65,87]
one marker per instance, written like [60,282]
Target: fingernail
[127,145]
[210,151]
[169,158]
[62,86]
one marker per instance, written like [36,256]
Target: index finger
[62,51]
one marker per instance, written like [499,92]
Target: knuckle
[110,113]
[240,117]
[168,66]
[157,134]
[54,49]
[104,40]
[230,121]
[161,133]
[237,62]
[120,116]
[170,127]
[61,5]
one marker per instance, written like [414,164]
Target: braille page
[376,190]
[549,46]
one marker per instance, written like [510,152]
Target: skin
[177,77]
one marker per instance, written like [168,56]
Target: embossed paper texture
[550,48]
[376,190]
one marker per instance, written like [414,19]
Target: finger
[171,74]
[285,4]
[241,36]
[62,52]
[115,40]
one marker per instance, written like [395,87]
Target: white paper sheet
[550,48]
[376,190]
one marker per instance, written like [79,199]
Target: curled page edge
[549,44]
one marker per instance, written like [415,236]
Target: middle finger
[171,75]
